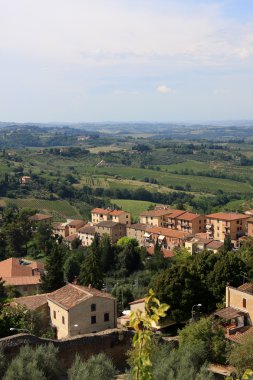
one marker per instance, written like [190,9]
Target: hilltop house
[119,216]
[41,218]
[78,310]
[86,235]
[137,231]
[113,229]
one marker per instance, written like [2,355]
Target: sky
[126,60]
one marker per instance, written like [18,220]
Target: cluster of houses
[75,309]
[171,228]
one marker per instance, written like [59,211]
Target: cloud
[164,89]
[123,32]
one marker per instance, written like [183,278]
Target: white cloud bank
[113,32]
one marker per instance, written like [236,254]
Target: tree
[210,335]
[3,294]
[53,278]
[124,295]
[180,287]
[72,265]
[43,237]
[107,254]
[34,364]
[96,367]
[91,273]
[142,323]
[241,356]
[227,244]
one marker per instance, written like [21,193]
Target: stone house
[137,231]
[76,309]
[166,237]
[86,235]
[114,230]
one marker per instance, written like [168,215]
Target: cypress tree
[53,278]
[91,273]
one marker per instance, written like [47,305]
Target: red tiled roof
[168,232]
[176,214]
[229,216]
[71,295]
[139,226]
[117,212]
[241,334]
[87,230]
[247,287]
[108,224]
[214,244]
[40,217]
[77,223]
[155,213]
[166,252]
[188,216]
[71,237]
[100,211]
[13,267]
[136,301]
[21,280]
[32,302]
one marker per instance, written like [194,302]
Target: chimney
[89,286]
[75,280]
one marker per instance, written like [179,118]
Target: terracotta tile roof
[176,214]
[136,301]
[241,334]
[188,216]
[117,212]
[155,213]
[21,280]
[100,211]
[167,232]
[32,302]
[108,224]
[247,287]
[139,226]
[57,225]
[71,295]
[40,217]
[166,252]
[229,313]
[87,230]
[229,216]
[214,244]
[13,267]
[37,265]
[71,237]
[77,223]
[250,220]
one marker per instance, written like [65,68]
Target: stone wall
[114,343]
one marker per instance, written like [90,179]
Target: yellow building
[76,309]
[221,224]
[156,218]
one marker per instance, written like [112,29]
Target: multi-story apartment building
[99,215]
[221,224]
[171,220]
[250,227]
[156,218]
[166,237]
[86,235]
[119,216]
[192,223]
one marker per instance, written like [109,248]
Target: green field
[198,183]
[134,207]
[59,208]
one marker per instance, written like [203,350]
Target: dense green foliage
[96,367]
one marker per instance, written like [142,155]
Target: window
[93,319]
[237,221]
[63,320]
[244,302]
[54,314]
[106,317]
[93,307]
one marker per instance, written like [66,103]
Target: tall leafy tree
[227,244]
[53,278]
[107,253]
[91,273]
